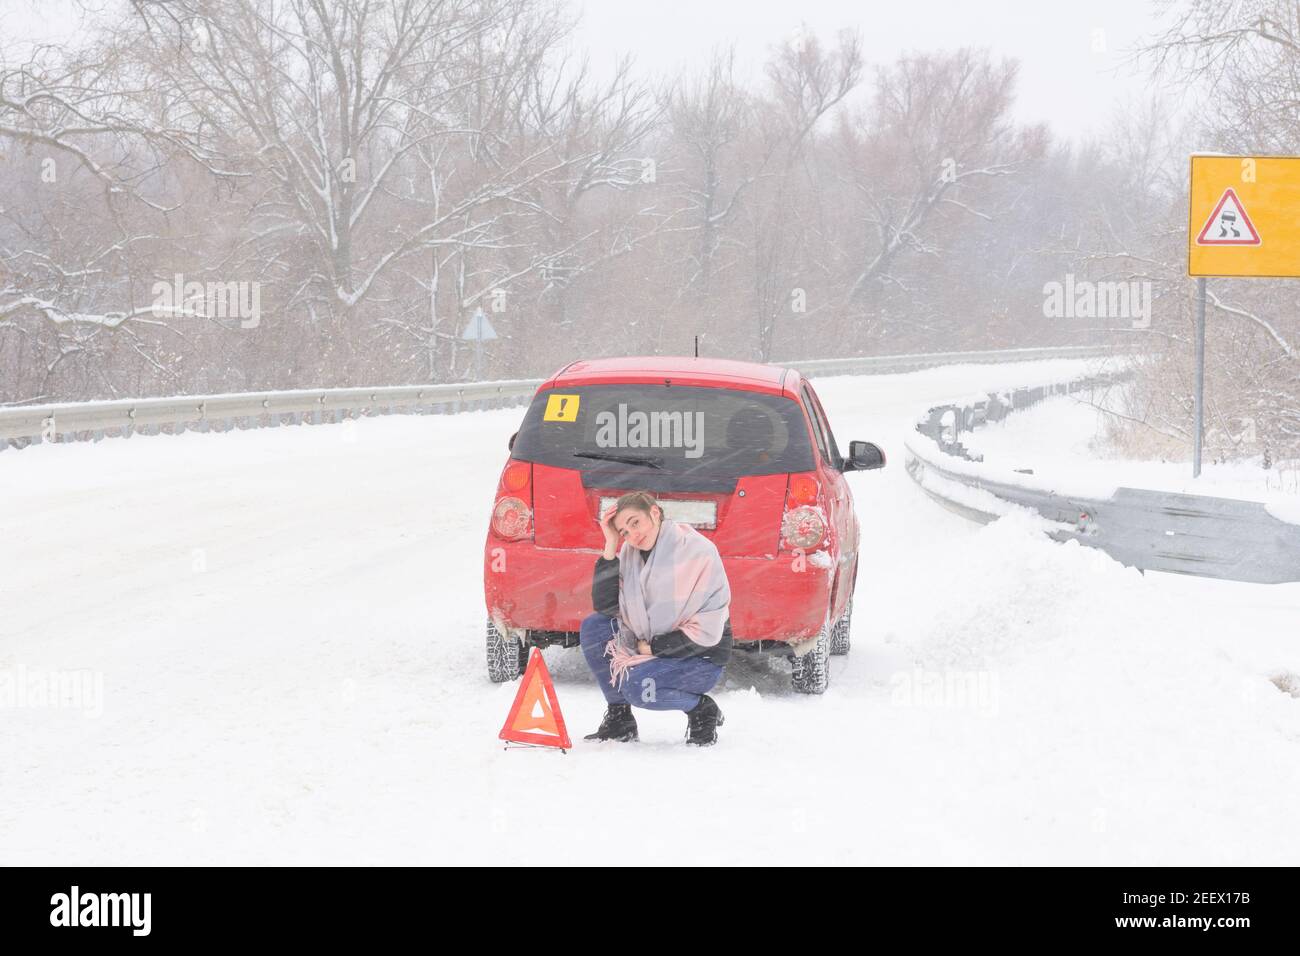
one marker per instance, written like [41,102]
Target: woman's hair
[640,500]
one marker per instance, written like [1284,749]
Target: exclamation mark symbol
[563,402]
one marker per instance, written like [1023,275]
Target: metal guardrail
[893,364]
[1151,530]
[74,420]
[31,424]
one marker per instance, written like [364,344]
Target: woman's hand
[643,647]
[607,528]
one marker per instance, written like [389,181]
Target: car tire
[840,640]
[506,656]
[811,673]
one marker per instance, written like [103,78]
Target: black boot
[619,724]
[702,722]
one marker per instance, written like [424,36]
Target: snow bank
[1062,439]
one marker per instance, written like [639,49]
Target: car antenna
[697,346]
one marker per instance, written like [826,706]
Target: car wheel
[840,633]
[811,673]
[506,656]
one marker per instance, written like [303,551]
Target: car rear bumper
[549,589]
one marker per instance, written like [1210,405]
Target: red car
[741,451]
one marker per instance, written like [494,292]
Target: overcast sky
[1071,53]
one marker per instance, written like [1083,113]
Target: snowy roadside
[1063,440]
[288,624]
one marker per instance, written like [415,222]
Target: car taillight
[803,490]
[803,527]
[804,524]
[515,477]
[511,518]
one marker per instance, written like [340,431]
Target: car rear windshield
[642,431]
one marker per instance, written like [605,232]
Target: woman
[658,638]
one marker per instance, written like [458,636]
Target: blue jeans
[665,683]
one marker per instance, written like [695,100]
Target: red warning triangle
[1228,225]
[535,716]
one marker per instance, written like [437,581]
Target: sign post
[478,331]
[1200,376]
[1243,220]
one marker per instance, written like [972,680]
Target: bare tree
[1244,59]
[381,169]
[806,82]
[940,127]
[708,117]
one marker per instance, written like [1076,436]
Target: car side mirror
[864,456]
[510,445]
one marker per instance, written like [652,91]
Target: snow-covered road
[288,627]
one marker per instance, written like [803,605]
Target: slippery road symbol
[1228,225]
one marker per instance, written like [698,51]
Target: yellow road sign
[1244,216]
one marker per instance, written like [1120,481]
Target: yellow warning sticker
[561,408]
